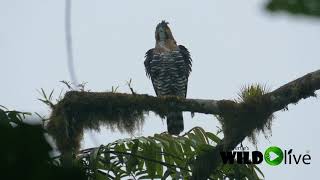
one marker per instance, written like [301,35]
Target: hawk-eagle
[169,65]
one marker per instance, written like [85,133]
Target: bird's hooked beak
[162,34]
[163,31]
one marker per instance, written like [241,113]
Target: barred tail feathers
[175,123]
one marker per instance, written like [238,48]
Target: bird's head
[163,32]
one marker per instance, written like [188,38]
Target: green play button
[273,155]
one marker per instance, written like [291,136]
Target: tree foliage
[158,157]
[240,118]
[296,7]
[24,152]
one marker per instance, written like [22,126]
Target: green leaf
[258,169]
[159,168]
[94,160]
[178,154]
[142,172]
[120,148]
[149,152]
[166,174]
[43,93]
[101,176]
[200,134]
[150,177]
[14,117]
[50,96]
[195,141]
[163,142]
[213,137]
[187,148]
[133,160]
[3,115]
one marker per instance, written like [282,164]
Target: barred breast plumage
[169,72]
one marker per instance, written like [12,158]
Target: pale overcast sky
[233,43]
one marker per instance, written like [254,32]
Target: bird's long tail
[175,123]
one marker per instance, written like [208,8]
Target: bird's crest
[163,23]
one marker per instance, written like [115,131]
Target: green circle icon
[273,155]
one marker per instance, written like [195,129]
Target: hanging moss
[82,110]
[246,116]
[240,120]
[75,113]
[125,112]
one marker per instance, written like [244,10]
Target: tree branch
[294,91]
[141,102]
[76,110]
[276,100]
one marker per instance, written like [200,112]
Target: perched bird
[169,65]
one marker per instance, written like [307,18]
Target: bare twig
[130,87]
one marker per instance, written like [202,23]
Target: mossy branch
[81,110]
[106,100]
[88,110]
[248,114]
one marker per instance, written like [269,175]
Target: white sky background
[233,43]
